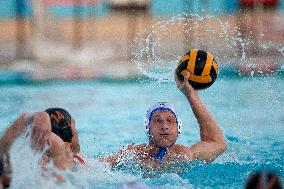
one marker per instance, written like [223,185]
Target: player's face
[163,128]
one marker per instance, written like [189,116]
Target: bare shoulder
[128,149]
[180,148]
[183,151]
[135,148]
[41,115]
[140,146]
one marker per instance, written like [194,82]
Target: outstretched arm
[14,131]
[40,124]
[212,141]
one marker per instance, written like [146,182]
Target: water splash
[157,54]
[27,172]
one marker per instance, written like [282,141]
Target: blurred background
[86,39]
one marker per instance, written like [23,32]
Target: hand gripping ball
[202,67]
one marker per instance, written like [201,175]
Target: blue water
[110,114]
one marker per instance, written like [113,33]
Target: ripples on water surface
[249,110]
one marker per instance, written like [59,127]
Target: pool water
[110,114]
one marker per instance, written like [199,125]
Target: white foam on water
[27,172]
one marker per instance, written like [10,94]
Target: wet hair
[60,121]
[263,180]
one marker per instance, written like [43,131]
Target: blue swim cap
[158,107]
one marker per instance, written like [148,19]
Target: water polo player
[63,130]
[54,127]
[163,128]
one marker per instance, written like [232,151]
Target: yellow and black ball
[202,67]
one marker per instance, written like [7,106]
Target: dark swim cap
[263,180]
[60,121]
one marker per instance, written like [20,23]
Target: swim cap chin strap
[161,154]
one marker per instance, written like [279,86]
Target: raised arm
[212,141]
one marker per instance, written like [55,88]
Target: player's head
[162,124]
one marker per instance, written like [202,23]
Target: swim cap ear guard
[160,106]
